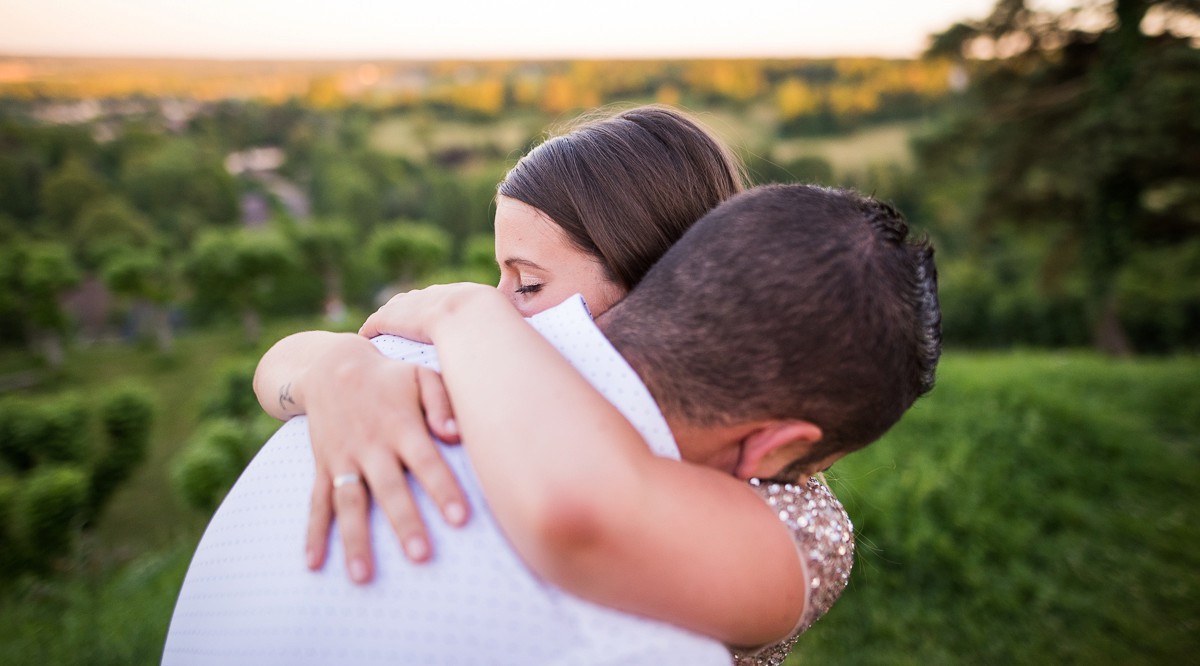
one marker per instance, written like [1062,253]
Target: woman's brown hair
[625,187]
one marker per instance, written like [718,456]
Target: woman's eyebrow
[512,262]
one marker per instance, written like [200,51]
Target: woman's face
[540,267]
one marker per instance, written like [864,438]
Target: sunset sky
[474,28]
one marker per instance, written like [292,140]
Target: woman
[619,190]
[561,217]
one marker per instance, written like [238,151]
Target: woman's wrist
[277,378]
[340,354]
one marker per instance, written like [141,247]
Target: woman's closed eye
[529,288]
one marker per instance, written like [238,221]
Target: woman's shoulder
[824,538]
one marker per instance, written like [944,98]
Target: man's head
[787,304]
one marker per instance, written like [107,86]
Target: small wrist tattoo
[285,397]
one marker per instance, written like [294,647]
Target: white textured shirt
[249,599]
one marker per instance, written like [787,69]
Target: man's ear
[763,449]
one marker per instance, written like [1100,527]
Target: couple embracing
[637,480]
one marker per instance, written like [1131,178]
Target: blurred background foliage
[161,223]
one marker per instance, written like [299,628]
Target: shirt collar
[570,328]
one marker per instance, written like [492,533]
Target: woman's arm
[365,419]
[584,501]
[278,376]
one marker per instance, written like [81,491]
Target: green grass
[854,153]
[1035,508]
[401,135]
[119,618]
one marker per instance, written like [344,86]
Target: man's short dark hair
[790,302]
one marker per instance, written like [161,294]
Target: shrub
[64,431]
[48,510]
[9,557]
[126,415]
[202,474]
[213,458]
[17,444]
[406,251]
[233,396]
[1159,298]
[54,430]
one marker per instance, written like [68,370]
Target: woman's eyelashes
[529,288]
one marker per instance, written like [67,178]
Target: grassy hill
[1035,508]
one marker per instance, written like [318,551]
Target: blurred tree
[343,188]
[237,124]
[145,274]
[36,432]
[240,270]
[107,225]
[479,254]
[1158,293]
[478,264]
[67,191]
[406,251]
[461,204]
[21,174]
[232,395]
[28,154]
[177,182]
[118,243]
[203,472]
[325,249]
[47,512]
[233,429]
[1084,118]
[54,478]
[34,275]
[126,416]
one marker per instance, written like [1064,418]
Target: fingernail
[416,548]
[451,427]
[456,513]
[358,570]
[310,556]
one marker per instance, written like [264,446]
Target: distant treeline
[807,95]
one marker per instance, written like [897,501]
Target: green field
[416,138]
[854,153]
[408,135]
[1035,508]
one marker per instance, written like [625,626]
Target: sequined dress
[824,539]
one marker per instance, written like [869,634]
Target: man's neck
[711,446]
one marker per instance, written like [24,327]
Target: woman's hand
[416,314]
[366,424]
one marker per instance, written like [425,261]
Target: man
[785,302]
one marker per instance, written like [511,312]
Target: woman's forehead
[523,229]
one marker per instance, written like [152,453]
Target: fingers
[439,415]
[370,327]
[377,323]
[380,434]
[424,461]
[352,505]
[391,492]
[320,517]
